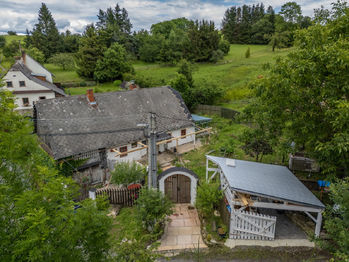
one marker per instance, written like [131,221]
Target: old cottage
[105,128]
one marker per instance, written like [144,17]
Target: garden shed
[179,184]
[251,186]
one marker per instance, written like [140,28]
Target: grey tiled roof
[19,66]
[70,126]
[266,180]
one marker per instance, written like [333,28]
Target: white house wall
[37,68]
[15,77]
[113,157]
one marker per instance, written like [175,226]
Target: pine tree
[114,26]
[45,34]
[90,50]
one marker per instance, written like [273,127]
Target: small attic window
[123,149]
[22,83]
[9,84]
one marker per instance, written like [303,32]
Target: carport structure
[249,186]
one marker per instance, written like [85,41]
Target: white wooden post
[318,224]
[206,169]
[92,193]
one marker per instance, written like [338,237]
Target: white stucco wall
[30,85]
[37,68]
[112,157]
[177,133]
[137,155]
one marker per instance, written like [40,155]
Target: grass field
[233,73]
[100,88]
[10,38]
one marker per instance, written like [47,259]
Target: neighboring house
[30,82]
[96,126]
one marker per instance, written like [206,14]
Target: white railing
[251,225]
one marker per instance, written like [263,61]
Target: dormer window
[9,84]
[22,83]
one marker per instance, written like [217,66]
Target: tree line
[251,24]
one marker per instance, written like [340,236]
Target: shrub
[208,197]
[152,208]
[83,84]
[248,53]
[337,220]
[117,83]
[144,82]
[216,56]
[224,46]
[125,173]
[128,77]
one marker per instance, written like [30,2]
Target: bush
[208,197]
[83,84]
[248,53]
[337,220]
[216,56]
[152,208]
[117,83]
[125,173]
[128,77]
[2,41]
[144,82]
[224,46]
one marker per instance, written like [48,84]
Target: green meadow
[233,73]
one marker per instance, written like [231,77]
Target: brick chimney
[90,98]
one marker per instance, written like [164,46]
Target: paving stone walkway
[183,232]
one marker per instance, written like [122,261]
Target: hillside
[232,73]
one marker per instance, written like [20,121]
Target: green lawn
[62,76]
[101,88]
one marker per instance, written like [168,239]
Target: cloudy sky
[17,15]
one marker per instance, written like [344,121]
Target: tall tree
[305,96]
[114,26]
[38,221]
[90,50]
[113,64]
[203,41]
[45,34]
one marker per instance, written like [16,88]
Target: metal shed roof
[266,180]
[200,119]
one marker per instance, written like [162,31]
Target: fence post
[92,193]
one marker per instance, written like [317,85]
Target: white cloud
[18,15]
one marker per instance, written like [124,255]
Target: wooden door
[177,188]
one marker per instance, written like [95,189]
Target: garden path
[183,232]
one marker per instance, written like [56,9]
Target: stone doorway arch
[179,184]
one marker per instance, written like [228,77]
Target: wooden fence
[119,196]
[217,110]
